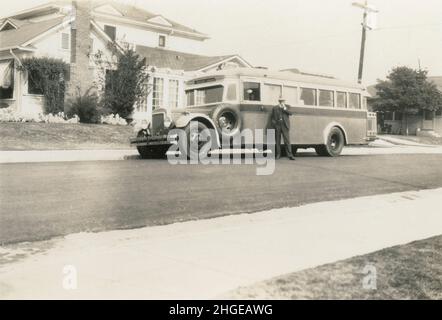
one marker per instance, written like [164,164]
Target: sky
[320,36]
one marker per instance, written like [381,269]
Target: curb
[36,156]
[66,156]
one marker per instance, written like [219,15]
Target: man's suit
[281,124]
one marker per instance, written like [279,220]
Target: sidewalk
[127,154]
[205,259]
[403,142]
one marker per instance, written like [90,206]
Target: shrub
[85,107]
[48,76]
[124,84]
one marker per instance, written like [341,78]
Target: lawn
[59,136]
[412,271]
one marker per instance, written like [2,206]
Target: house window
[252,91]
[173,93]
[157,92]
[7,79]
[388,116]
[65,41]
[308,96]
[111,31]
[354,100]
[428,115]
[398,116]
[34,81]
[326,98]
[162,41]
[341,99]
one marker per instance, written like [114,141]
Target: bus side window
[252,91]
[308,96]
[326,98]
[341,98]
[354,100]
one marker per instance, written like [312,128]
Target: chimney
[81,76]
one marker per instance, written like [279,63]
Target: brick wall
[81,75]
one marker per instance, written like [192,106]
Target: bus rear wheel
[334,146]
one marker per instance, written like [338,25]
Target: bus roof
[279,75]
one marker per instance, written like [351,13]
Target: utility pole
[365,25]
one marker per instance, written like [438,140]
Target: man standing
[281,124]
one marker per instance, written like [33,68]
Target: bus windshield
[201,96]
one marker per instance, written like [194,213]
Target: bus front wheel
[334,146]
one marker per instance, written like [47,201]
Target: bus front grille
[157,123]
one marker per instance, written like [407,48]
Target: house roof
[175,60]
[26,31]
[437,81]
[142,15]
[127,11]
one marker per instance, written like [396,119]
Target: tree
[407,91]
[125,85]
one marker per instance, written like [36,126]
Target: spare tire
[227,120]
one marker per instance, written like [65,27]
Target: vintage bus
[328,113]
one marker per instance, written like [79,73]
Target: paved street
[43,200]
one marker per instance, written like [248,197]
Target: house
[75,31]
[423,123]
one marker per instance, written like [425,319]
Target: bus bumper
[161,140]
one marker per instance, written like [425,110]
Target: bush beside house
[123,85]
[48,77]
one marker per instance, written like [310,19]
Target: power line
[337,35]
[411,26]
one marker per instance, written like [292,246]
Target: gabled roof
[127,11]
[437,81]
[175,60]
[141,15]
[26,32]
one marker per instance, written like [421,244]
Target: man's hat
[281,99]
